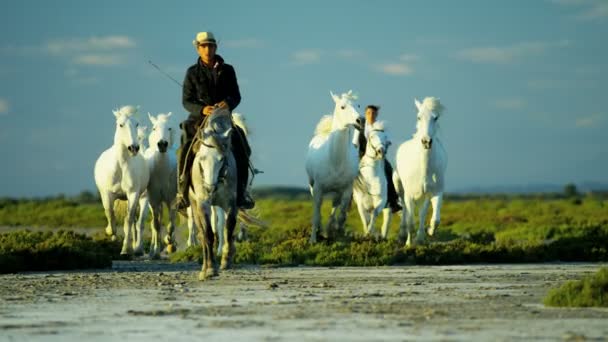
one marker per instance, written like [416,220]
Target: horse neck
[338,144]
[122,154]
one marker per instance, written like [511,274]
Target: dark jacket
[206,87]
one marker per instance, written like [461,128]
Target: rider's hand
[223,105]
[207,110]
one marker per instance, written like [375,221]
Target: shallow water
[139,300]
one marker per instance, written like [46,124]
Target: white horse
[218,216]
[162,188]
[332,163]
[121,173]
[370,188]
[214,184]
[420,171]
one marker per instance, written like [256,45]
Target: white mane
[378,126]
[432,104]
[324,125]
[239,120]
[127,110]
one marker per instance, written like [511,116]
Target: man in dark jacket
[210,83]
[371,113]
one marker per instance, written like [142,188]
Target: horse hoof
[138,252]
[124,252]
[226,265]
[113,237]
[154,256]
[170,248]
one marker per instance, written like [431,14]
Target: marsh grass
[590,291]
[59,250]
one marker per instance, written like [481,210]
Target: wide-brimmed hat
[204,38]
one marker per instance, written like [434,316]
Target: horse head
[126,129]
[429,112]
[377,142]
[216,142]
[345,112]
[161,136]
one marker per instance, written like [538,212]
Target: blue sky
[524,82]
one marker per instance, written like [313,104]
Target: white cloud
[394,69]
[508,54]
[587,10]
[408,57]
[4,107]
[590,121]
[510,103]
[249,43]
[99,59]
[107,43]
[310,56]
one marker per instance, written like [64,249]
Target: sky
[523,82]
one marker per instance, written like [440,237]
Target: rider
[371,114]
[210,83]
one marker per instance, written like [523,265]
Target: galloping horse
[420,171]
[332,163]
[121,173]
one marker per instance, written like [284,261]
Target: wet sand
[144,300]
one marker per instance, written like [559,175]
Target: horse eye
[435,118]
[418,118]
[343,107]
[358,106]
[136,125]
[170,128]
[121,125]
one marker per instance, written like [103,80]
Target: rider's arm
[191,102]
[233,97]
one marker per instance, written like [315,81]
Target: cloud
[587,10]
[4,107]
[99,59]
[508,54]
[408,57]
[107,43]
[510,103]
[310,56]
[590,121]
[394,69]
[248,43]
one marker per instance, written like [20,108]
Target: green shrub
[60,250]
[590,291]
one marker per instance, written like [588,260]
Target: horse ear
[152,119]
[417,103]
[334,96]
[227,133]
[169,114]
[116,112]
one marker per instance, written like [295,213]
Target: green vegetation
[40,251]
[590,291]
[488,228]
[474,229]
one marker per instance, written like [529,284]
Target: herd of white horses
[147,178]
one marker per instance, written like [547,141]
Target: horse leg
[191,228]
[407,221]
[218,222]
[197,218]
[132,200]
[344,205]
[386,222]
[156,209]
[169,237]
[209,267]
[436,201]
[138,232]
[317,199]
[108,207]
[421,235]
[364,216]
[371,229]
[229,249]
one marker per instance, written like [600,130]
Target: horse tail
[251,220]
[324,125]
[239,121]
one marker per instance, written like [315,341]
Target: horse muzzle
[133,149]
[162,146]
[427,143]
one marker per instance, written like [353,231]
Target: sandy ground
[155,300]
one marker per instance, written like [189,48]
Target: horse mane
[239,120]
[128,110]
[324,125]
[432,104]
[379,126]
